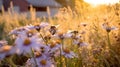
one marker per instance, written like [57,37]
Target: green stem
[32,52]
[9,60]
[66,62]
[61,48]
[43,39]
[108,37]
[105,61]
[60,57]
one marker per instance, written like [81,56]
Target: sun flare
[98,2]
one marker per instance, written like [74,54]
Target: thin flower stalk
[33,55]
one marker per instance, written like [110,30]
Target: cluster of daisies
[43,42]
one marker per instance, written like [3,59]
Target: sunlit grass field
[84,37]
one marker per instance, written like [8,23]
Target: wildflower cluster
[43,42]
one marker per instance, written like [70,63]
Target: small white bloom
[6,51]
[68,54]
[40,26]
[80,43]
[24,44]
[54,46]
[44,49]
[108,28]
[40,63]
[83,44]
[3,42]
[19,31]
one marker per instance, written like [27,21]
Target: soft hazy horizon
[98,2]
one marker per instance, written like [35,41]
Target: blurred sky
[98,2]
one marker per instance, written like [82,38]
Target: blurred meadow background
[96,26]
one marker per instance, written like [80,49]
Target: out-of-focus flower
[52,30]
[70,34]
[40,63]
[54,46]
[83,44]
[47,37]
[44,49]
[68,54]
[40,26]
[61,35]
[3,42]
[80,43]
[31,33]
[19,31]
[73,34]
[84,24]
[37,26]
[97,51]
[45,63]
[6,51]
[108,28]
[24,44]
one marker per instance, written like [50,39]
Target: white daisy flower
[72,34]
[39,55]
[83,44]
[69,33]
[3,42]
[24,44]
[54,46]
[6,51]
[68,54]
[40,63]
[19,31]
[108,28]
[40,26]
[80,43]
[45,63]
[61,35]
[44,49]
[76,38]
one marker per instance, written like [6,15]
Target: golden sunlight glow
[98,2]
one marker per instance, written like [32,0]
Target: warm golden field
[85,37]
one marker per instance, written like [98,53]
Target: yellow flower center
[57,41]
[66,51]
[38,54]
[52,45]
[5,48]
[43,62]
[27,42]
[36,24]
